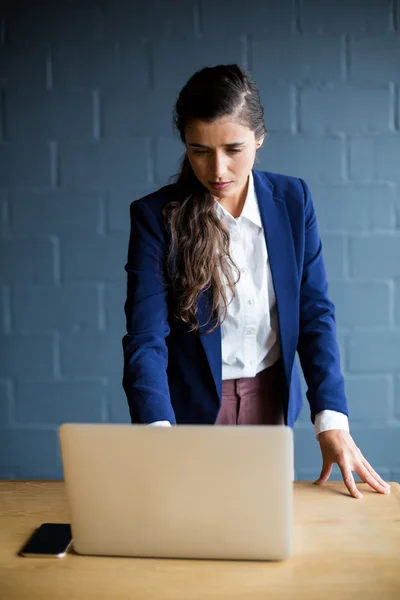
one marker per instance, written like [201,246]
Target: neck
[235,205]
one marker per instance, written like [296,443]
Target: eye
[234,150]
[199,152]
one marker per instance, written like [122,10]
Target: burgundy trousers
[254,400]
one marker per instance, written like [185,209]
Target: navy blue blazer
[175,375]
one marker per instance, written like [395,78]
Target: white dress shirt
[250,331]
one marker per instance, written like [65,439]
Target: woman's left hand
[337,446]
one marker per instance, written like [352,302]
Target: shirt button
[243,270]
[248,332]
[251,362]
[250,302]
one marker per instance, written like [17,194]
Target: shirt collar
[250,210]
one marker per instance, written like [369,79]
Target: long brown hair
[199,249]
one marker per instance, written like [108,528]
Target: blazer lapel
[282,259]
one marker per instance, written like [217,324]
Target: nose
[218,167]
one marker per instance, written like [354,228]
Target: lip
[221,186]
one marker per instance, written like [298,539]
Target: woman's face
[222,151]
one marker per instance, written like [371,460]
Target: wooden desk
[343,548]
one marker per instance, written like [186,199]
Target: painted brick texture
[86,96]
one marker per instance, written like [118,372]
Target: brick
[33,454]
[4,309]
[31,354]
[312,158]
[379,444]
[104,163]
[354,207]
[374,351]
[2,133]
[341,338]
[117,402]
[361,303]
[125,112]
[375,158]
[24,164]
[23,64]
[167,160]
[334,254]
[306,451]
[28,261]
[40,115]
[397,303]
[118,203]
[297,59]
[3,215]
[396,192]
[50,22]
[375,59]
[58,212]
[197,53]
[65,307]
[374,255]
[87,64]
[396,15]
[8,472]
[278,106]
[100,63]
[362,157]
[394,475]
[345,108]
[304,416]
[343,17]
[91,355]
[396,115]
[134,63]
[94,258]
[56,402]
[114,300]
[258,19]
[397,398]
[5,402]
[369,399]
[159,19]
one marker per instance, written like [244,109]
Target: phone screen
[50,539]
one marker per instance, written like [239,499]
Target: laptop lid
[182,492]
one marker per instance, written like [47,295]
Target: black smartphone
[49,540]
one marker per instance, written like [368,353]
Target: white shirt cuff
[324,421]
[330,419]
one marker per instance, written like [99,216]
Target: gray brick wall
[86,99]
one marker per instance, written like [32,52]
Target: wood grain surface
[343,548]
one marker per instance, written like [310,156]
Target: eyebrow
[226,145]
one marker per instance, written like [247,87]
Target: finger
[349,481]
[325,474]
[367,477]
[375,474]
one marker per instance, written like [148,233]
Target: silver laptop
[187,491]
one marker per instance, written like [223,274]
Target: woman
[226,281]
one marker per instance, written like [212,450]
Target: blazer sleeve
[145,379]
[317,347]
